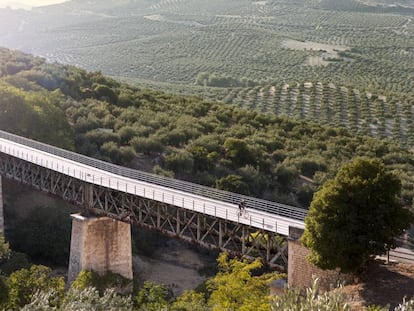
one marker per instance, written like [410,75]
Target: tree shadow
[387,283]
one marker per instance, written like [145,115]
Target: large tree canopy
[354,216]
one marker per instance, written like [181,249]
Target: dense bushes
[245,151]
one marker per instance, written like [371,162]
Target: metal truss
[204,230]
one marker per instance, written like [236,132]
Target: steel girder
[194,227]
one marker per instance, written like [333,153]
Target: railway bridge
[111,198]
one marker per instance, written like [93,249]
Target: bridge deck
[262,214]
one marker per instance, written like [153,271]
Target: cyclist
[242,207]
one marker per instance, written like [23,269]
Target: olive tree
[354,216]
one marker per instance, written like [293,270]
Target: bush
[312,300]
[233,183]
[180,161]
[87,279]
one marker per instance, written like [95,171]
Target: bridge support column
[301,273]
[1,209]
[100,244]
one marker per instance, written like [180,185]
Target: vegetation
[293,300]
[356,43]
[235,288]
[225,291]
[23,284]
[358,214]
[245,151]
[4,248]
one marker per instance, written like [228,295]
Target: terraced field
[388,117]
[174,40]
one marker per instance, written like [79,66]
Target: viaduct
[111,198]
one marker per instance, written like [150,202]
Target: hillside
[219,145]
[367,44]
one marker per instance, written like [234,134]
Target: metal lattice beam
[205,230]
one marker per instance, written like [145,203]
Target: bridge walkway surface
[262,214]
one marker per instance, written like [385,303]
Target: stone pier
[1,209]
[100,244]
[301,273]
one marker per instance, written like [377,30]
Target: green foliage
[190,301]
[23,285]
[147,145]
[105,92]
[286,175]
[204,141]
[87,279]
[179,161]
[31,114]
[80,300]
[358,214]
[312,300]
[4,248]
[233,183]
[153,297]
[238,151]
[158,170]
[235,288]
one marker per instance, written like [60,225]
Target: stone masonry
[100,244]
[301,273]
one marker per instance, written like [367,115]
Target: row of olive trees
[209,143]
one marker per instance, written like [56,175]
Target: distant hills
[174,41]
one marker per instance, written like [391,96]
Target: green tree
[153,297]
[235,288]
[354,216]
[24,283]
[238,151]
[87,279]
[190,301]
[233,183]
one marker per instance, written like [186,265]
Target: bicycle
[243,212]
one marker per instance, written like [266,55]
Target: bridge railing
[212,193]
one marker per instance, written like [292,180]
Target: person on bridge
[242,206]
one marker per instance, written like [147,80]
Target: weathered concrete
[1,208]
[301,273]
[100,244]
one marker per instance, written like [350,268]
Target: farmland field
[273,55]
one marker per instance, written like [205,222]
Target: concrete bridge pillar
[1,209]
[101,244]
